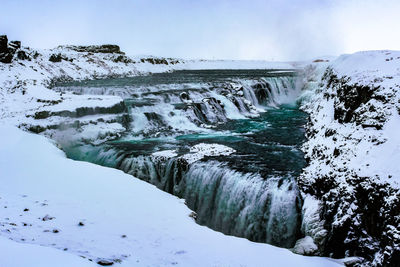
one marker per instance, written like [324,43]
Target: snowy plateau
[56,211]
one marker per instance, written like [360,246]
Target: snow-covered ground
[103,214]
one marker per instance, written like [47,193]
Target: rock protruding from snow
[3,43]
[107,48]
[6,54]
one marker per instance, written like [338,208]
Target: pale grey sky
[223,29]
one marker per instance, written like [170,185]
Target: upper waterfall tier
[184,102]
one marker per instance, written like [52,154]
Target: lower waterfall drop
[243,204]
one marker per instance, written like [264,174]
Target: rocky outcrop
[355,103]
[59,57]
[158,61]
[5,54]
[9,50]
[107,48]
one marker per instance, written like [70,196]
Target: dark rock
[35,55]
[122,59]
[55,58]
[47,218]
[184,96]
[336,152]
[6,54]
[41,115]
[105,262]
[21,55]
[329,132]
[3,44]
[6,57]
[155,61]
[7,51]
[36,129]
[15,44]
[107,48]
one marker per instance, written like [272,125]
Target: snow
[124,219]
[18,254]
[197,152]
[366,66]
[312,225]
[382,160]
[165,154]
[305,246]
[202,150]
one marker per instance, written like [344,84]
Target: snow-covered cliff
[353,151]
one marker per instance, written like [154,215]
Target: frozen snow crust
[353,153]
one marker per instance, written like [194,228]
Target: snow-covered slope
[103,214]
[353,152]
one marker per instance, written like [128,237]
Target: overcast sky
[220,29]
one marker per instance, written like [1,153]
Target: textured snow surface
[87,210]
[368,67]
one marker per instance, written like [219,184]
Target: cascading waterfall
[240,204]
[244,204]
[262,208]
[158,109]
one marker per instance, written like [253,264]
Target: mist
[235,29]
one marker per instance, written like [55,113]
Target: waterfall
[235,203]
[244,204]
[259,207]
[162,109]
